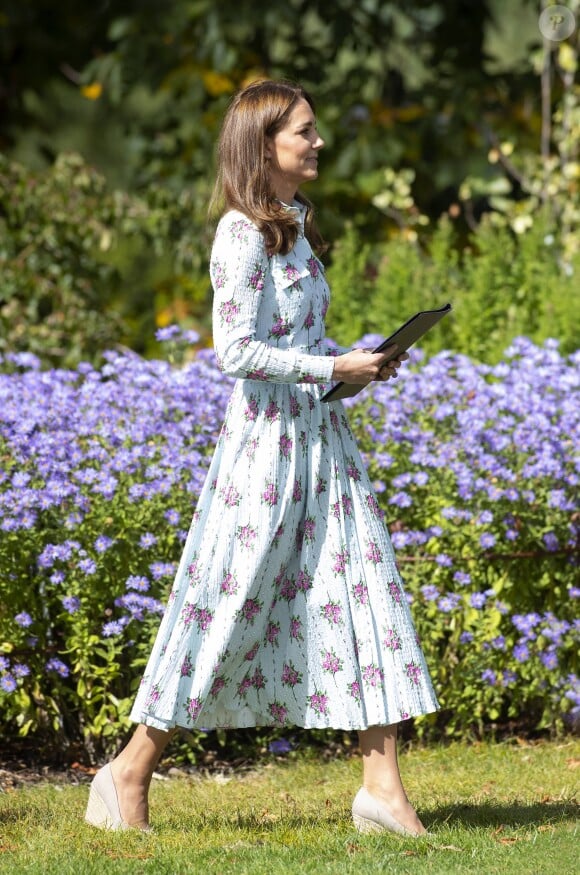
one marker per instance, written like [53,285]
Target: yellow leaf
[93,91]
[216,83]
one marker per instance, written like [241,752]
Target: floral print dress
[287,606]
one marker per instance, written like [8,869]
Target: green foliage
[501,285]
[84,267]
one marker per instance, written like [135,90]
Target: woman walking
[287,606]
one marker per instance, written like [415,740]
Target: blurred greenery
[458,109]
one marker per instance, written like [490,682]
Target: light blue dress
[287,606]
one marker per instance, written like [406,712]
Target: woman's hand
[361,366]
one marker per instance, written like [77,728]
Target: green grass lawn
[503,808]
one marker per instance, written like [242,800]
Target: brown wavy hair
[242,183]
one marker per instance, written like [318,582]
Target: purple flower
[23,619]
[114,627]
[430,592]
[521,652]
[58,666]
[477,599]
[449,602]
[137,582]
[71,603]
[170,332]
[280,746]
[87,566]
[487,540]
[489,676]
[147,540]
[8,683]
[102,543]
[549,659]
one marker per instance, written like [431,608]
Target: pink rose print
[319,703]
[230,495]
[297,491]
[251,654]
[373,554]
[270,495]
[373,506]
[186,667]
[219,275]
[309,527]
[341,560]
[250,610]
[280,327]
[203,618]
[251,411]
[320,485]
[395,591]
[257,279]
[290,676]
[153,697]
[323,431]
[244,686]
[229,585]
[373,675]
[325,305]
[239,230]
[313,266]
[295,407]
[228,311]
[331,662]
[192,708]
[332,612]
[288,589]
[286,443]
[345,504]
[218,685]
[278,712]
[413,672]
[361,593]
[311,402]
[354,690]
[272,411]
[404,715]
[272,633]
[258,680]
[334,420]
[193,573]
[278,534]
[251,447]
[309,320]
[303,441]
[392,640]
[290,272]
[246,535]
[258,374]
[296,629]
[352,470]
[304,581]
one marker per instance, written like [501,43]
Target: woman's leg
[381,776]
[133,769]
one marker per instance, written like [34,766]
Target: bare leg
[133,769]
[381,775]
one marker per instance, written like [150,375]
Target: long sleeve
[241,279]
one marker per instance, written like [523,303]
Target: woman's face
[292,152]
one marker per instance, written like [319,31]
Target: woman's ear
[267,147]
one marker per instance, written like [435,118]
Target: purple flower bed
[476,467]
